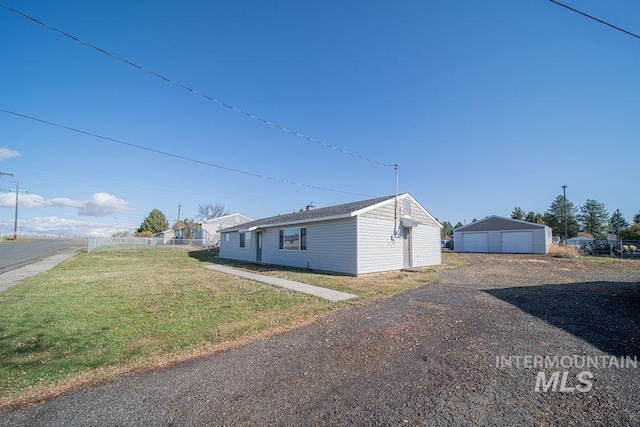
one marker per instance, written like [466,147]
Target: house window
[303,239]
[226,237]
[245,240]
[293,239]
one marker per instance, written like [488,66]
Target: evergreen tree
[636,218]
[458,225]
[447,230]
[517,213]
[534,217]
[594,218]
[630,233]
[617,222]
[155,222]
[555,217]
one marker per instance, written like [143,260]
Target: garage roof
[495,222]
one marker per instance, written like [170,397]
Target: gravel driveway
[436,356]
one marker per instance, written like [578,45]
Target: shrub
[564,251]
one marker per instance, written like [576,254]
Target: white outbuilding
[495,234]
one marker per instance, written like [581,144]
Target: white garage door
[517,242]
[475,242]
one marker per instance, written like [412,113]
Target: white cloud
[65,202]
[103,204]
[24,200]
[56,226]
[5,154]
[100,204]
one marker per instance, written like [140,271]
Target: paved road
[425,357]
[17,254]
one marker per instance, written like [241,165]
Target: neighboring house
[369,236]
[210,229]
[581,241]
[165,235]
[496,234]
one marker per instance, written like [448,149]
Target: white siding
[360,244]
[232,249]
[472,242]
[426,246]
[520,242]
[213,226]
[331,246]
[541,240]
[377,250]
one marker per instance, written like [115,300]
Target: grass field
[99,315]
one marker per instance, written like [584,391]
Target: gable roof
[220,219]
[345,210]
[495,222]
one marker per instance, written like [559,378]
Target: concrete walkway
[318,291]
[13,277]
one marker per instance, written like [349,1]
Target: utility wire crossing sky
[195,92]
[486,107]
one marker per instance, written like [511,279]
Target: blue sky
[483,105]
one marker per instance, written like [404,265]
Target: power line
[177,156]
[195,92]
[596,19]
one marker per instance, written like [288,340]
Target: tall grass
[564,251]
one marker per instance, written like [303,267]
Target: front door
[259,246]
[406,246]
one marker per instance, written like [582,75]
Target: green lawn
[101,314]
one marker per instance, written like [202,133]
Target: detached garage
[496,234]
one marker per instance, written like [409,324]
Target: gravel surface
[429,356]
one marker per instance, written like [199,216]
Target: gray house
[382,234]
[496,234]
[209,229]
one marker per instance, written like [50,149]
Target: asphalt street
[17,254]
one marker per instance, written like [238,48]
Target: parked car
[599,247]
[449,245]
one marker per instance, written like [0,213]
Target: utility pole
[618,233]
[566,217]
[15,224]
[1,234]
[178,222]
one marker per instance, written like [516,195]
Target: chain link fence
[627,249]
[145,244]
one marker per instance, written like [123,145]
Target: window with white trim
[293,239]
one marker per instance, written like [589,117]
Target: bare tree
[211,210]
